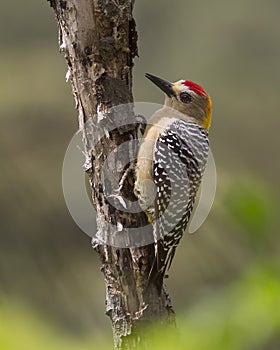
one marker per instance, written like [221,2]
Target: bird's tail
[162,262]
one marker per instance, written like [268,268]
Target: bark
[99,41]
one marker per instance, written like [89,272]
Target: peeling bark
[99,41]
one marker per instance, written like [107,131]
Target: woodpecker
[170,164]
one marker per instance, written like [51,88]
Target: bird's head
[186,97]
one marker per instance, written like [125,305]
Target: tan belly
[144,185]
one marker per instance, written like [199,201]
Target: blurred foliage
[224,279]
[244,315]
[35,332]
[254,208]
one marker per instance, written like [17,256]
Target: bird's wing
[177,164]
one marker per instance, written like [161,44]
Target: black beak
[163,84]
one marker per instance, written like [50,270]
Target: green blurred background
[225,279]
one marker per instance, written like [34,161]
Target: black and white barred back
[180,157]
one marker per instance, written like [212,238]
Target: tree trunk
[99,41]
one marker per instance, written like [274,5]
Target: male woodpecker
[170,163]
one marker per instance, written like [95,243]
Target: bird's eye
[185,97]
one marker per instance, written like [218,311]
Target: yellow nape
[208,118]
